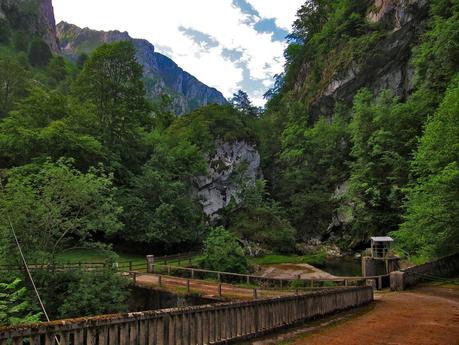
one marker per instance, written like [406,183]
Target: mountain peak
[162,74]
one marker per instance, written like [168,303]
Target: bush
[222,252]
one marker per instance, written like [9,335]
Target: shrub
[222,252]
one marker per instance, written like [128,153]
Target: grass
[275,259]
[95,255]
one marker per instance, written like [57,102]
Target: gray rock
[231,167]
[389,65]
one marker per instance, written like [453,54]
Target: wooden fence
[210,324]
[265,282]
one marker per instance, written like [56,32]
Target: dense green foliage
[259,222]
[15,307]
[52,206]
[346,176]
[91,293]
[222,252]
[432,207]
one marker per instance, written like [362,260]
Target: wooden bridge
[210,324]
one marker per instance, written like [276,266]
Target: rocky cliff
[231,167]
[36,17]
[162,75]
[388,66]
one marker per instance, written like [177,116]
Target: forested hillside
[365,118]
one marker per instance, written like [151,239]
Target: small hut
[380,247]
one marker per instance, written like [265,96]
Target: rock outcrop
[162,75]
[231,167]
[389,65]
[35,17]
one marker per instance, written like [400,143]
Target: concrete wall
[210,324]
[445,267]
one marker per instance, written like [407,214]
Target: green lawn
[94,255]
[275,259]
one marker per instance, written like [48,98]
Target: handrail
[242,275]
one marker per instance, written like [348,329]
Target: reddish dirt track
[426,316]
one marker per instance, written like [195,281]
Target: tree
[313,164]
[57,69]
[49,124]
[39,53]
[258,222]
[95,293]
[431,222]
[5,32]
[53,206]
[13,82]
[222,252]
[384,134]
[112,80]
[15,308]
[158,203]
[311,17]
[241,102]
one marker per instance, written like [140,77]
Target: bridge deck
[205,288]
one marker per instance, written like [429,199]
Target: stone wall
[445,267]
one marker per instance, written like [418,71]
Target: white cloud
[160,23]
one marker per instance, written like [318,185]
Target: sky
[227,44]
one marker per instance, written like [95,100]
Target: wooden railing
[266,282]
[210,324]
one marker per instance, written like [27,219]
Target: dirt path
[426,316]
[293,271]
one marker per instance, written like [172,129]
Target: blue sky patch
[206,41]
[233,55]
[269,26]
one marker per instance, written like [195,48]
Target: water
[349,267]
[142,299]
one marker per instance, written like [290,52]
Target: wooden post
[346,283]
[134,277]
[379,283]
[248,280]
[192,273]
[188,286]
[150,263]
[219,277]
[255,293]
[160,280]
[168,270]
[220,290]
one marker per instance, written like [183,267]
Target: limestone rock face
[231,166]
[48,25]
[388,67]
[162,74]
[38,22]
